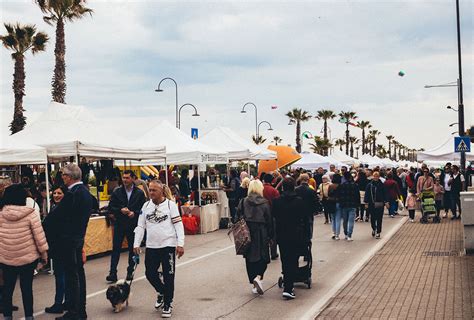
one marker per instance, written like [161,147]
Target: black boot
[55,308]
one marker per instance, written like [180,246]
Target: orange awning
[285,156]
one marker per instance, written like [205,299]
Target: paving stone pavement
[420,273]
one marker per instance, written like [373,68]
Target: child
[410,204]
[439,193]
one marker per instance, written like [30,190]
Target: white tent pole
[248,167]
[48,200]
[77,152]
[166,172]
[199,186]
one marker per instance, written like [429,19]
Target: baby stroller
[428,207]
[303,275]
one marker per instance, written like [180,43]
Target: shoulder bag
[241,234]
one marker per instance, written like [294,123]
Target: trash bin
[467,219]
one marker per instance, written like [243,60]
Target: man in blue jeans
[348,197]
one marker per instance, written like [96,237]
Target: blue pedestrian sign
[462,144]
[194,133]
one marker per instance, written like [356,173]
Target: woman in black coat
[255,210]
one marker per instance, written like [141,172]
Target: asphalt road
[211,281]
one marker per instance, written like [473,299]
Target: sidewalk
[419,274]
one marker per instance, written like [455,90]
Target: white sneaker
[350,239]
[166,312]
[258,284]
[411,220]
[254,290]
[336,238]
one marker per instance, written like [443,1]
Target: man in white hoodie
[165,239]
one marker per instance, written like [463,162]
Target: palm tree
[60,11]
[297,116]
[395,146]
[353,141]
[339,143]
[373,135]
[346,117]
[20,39]
[389,138]
[325,115]
[277,140]
[381,152]
[260,139]
[364,125]
[320,145]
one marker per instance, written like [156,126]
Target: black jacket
[292,229]
[184,187]
[310,197]
[119,200]
[375,192]
[67,223]
[348,195]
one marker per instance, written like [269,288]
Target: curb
[328,297]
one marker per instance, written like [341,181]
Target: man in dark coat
[375,198]
[311,200]
[68,223]
[125,204]
[289,213]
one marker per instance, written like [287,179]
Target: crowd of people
[278,208]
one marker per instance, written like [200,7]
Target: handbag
[401,207]
[241,234]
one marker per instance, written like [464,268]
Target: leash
[136,260]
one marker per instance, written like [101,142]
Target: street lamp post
[258,127]
[460,92]
[256,116]
[176,98]
[196,114]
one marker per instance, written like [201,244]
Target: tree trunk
[374,145]
[298,138]
[389,149]
[363,141]
[340,147]
[19,120]
[347,138]
[58,90]
[325,150]
[352,150]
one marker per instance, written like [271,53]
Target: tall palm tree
[353,141]
[364,125]
[20,39]
[395,146]
[60,11]
[346,117]
[373,135]
[340,143]
[389,138]
[381,152]
[325,115]
[276,140]
[320,145]
[260,139]
[297,116]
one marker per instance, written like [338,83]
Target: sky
[338,55]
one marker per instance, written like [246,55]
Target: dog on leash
[118,294]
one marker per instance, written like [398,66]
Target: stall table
[99,237]
[209,216]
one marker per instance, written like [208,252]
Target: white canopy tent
[14,152]
[180,148]
[335,162]
[372,162]
[66,130]
[236,147]
[311,161]
[342,157]
[444,152]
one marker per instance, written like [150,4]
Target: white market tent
[14,152]
[236,147]
[335,162]
[311,161]
[372,162]
[67,130]
[180,148]
[444,152]
[342,157]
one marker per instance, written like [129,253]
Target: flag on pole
[274,107]
[353,124]
[307,135]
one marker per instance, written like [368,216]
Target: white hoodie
[162,223]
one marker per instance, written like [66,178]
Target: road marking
[322,303]
[91,295]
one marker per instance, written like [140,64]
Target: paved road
[211,280]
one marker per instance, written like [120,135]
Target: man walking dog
[165,239]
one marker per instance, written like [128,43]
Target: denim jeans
[60,281]
[336,220]
[393,207]
[348,218]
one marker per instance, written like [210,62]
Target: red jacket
[270,193]
[392,190]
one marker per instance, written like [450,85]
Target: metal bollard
[467,219]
